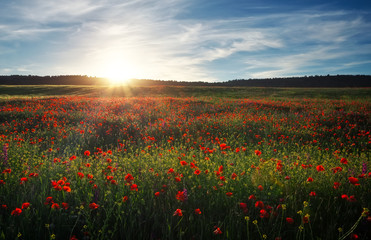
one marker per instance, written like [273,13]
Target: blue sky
[186,40]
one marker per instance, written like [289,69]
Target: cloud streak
[151,40]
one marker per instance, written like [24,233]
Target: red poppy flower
[55,206]
[25,205]
[336,185]
[259,204]
[65,205]
[16,212]
[320,168]
[66,189]
[197,172]
[197,211]
[344,161]
[129,177]
[229,194]
[310,179]
[93,205]
[124,198]
[258,153]
[157,194]
[178,212]
[353,181]
[260,187]
[289,220]
[217,231]
[234,175]
[183,163]
[134,187]
[312,194]
[48,200]
[87,153]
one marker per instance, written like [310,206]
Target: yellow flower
[283,206]
[52,236]
[340,229]
[307,215]
[305,203]
[365,212]
[19,235]
[301,228]
[247,218]
[300,212]
[264,236]
[255,222]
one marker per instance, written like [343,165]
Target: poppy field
[77,167]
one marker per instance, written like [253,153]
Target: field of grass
[184,163]
[9,91]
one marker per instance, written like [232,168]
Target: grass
[7,91]
[219,163]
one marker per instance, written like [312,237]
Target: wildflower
[23,180]
[312,194]
[243,206]
[48,200]
[87,153]
[336,185]
[310,179]
[289,220]
[16,212]
[93,206]
[234,175]
[183,163]
[55,206]
[306,218]
[25,205]
[258,153]
[263,213]
[129,177]
[229,194]
[181,196]
[65,206]
[178,212]
[217,231]
[252,197]
[80,174]
[197,172]
[66,189]
[134,187]
[343,161]
[344,196]
[354,236]
[197,211]
[259,204]
[260,187]
[124,198]
[352,199]
[320,168]
[157,194]
[353,181]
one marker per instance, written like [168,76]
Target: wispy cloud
[152,41]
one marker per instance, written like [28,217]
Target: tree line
[305,81]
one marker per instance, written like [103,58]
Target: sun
[119,73]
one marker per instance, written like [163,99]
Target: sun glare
[119,73]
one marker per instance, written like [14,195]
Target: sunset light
[119,72]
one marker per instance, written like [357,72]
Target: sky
[185,40]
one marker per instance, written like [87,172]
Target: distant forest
[328,81]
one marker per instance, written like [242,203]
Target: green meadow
[136,162]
